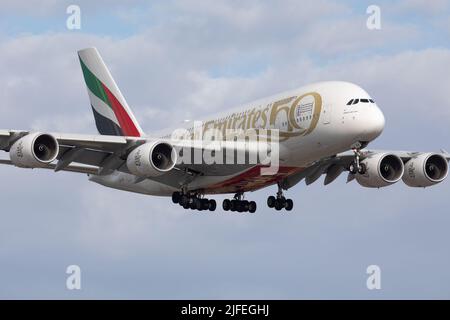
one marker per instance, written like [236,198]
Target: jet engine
[152,159]
[425,170]
[382,169]
[35,150]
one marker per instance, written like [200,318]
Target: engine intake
[425,170]
[382,169]
[152,159]
[34,150]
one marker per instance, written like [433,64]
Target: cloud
[41,8]
[194,59]
[422,7]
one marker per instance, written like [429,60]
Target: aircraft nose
[375,122]
[379,120]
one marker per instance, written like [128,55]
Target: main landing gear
[356,166]
[279,202]
[239,204]
[193,201]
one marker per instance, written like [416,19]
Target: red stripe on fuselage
[125,122]
[251,180]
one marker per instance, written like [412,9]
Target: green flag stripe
[94,84]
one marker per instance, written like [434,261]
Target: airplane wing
[95,151]
[79,168]
[333,166]
[100,154]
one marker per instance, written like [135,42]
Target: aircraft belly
[250,180]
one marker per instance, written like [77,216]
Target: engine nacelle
[152,159]
[382,170]
[35,150]
[425,170]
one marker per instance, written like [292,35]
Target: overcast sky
[177,60]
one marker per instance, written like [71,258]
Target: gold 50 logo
[301,113]
[292,116]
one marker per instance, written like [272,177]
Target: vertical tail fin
[112,114]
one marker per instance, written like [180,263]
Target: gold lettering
[278,107]
[264,116]
[256,118]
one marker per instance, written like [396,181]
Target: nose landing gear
[279,202]
[356,166]
[239,204]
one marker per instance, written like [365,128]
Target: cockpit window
[356,101]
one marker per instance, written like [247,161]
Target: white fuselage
[314,121]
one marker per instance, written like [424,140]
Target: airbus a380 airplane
[321,128]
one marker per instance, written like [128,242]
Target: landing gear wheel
[271,201]
[198,204]
[234,205]
[252,207]
[176,196]
[362,168]
[212,205]
[226,204]
[205,204]
[238,204]
[278,205]
[289,205]
[194,201]
[184,200]
[245,205]
[356,167]
[353,169]
[280,202]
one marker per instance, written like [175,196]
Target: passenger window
[355,101]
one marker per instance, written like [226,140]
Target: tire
[245,205]
[239,206]
[198,204]
[278,205]
[212,205]
[271,201]
[176,197]
[252,207]
[289,205]
[226,204]
[352,169]
[184,200]
[205,204]
[186,205]
[362,168]
[234,205]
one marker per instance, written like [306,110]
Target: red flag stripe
[126,124]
